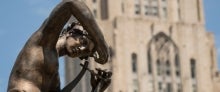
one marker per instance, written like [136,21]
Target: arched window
[164,53]
[177,65]
[193,68]
[134,62]
[134,70]
[193,74]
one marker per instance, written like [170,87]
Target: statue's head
[74,41]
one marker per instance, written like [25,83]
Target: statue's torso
[38,65]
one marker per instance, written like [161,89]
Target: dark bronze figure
[36,67]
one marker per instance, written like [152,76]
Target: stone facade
[156,46]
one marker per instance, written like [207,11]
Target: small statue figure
[36,67]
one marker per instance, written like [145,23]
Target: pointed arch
[162,52]
[165,43]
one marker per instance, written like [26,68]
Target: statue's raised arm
[36,66]
[61,14]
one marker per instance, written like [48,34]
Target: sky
[18,20]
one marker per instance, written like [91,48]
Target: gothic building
[156,46]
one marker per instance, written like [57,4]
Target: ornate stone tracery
[163,56]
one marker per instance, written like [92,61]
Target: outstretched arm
[61,14]
[54,24]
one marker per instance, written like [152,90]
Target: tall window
[179,88]
[198,10]
[149,63]
[158,67]
[146,10]
[151,7]
[177,65]
[161,46]
[134,70]
[160,88]
[169,87]
[178,10]
[104,9]
[178,73]
[137,7]
[193,68]
[193,74]
[134,62]
[150,71]
[164,8]
[154,8]
[168,68]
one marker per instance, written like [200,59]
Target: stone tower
[156,46]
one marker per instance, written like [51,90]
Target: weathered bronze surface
[36,67]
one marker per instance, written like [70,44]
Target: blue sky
[18,20]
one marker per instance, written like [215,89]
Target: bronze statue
[36,67]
